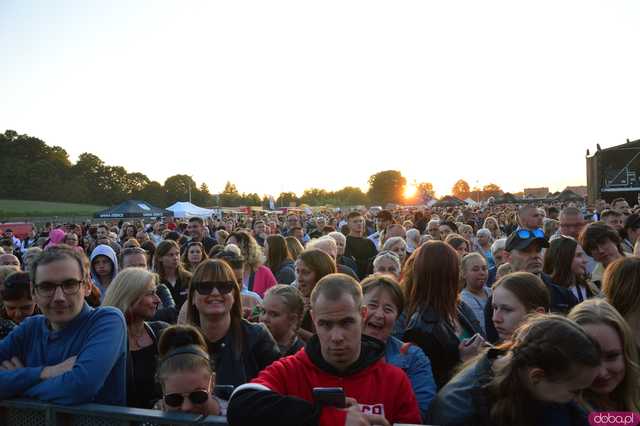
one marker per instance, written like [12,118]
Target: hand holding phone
[330,397]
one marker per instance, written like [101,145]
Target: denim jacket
[417,367]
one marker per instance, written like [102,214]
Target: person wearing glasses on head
[185,373]
[73,354]
[239,349]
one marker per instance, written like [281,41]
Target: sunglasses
[196,397]
[525,234]
[205,288]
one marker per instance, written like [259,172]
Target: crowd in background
[489,315]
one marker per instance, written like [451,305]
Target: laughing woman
[384,300]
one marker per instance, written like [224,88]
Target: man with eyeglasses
[72,354]
[525,255]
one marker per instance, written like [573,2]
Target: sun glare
[409,191]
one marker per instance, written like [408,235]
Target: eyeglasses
[196,397]
[525,234]
[69,287]
[205,288]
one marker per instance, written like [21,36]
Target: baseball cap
[521,239]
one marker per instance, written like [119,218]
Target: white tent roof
[183,209]
[471,202]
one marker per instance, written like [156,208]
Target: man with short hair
[102,237]
[338,355]
[614,219]
[571,222]
[530,217]
[260,231]
[358,247]
[320,223]
[195,229]
[620,205]
[8,233]
[500,257]
[72,354]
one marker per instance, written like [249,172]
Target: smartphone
[223,391]
[331,397]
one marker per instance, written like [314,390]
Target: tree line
[32,170]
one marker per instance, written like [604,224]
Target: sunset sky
[285,95]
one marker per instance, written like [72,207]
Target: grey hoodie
[103,250]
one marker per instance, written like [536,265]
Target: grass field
[22,208]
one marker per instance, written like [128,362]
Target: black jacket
[134,397]
[437,338]
[259,349]
[562,300]
[285,273]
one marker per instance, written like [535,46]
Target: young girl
[617,388]
[193,255]
[281,312]
[532,380]
[184,372]
[515,296]
[474,276]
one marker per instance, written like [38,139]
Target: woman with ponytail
[281,312]
[185,373]
[534,379]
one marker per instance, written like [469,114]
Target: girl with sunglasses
[238,348]
[185,373]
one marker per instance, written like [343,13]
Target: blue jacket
[417,367]
[98,337]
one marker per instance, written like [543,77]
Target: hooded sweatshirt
[55,237]
[283,392]
[103,250]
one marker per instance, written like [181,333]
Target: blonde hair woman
[133,291]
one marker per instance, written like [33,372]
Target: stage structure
[614,172]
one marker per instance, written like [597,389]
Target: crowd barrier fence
[24,412]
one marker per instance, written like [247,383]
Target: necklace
[137,340]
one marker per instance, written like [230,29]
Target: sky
[285,95]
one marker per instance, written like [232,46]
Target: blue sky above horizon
[286,95]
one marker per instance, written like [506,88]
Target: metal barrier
[24,412]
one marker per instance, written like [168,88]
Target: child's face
[189,385]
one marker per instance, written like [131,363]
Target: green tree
[315,197]
[460,189]
[386,187]
[350,196]
[230,197]
[177,188]
[153,193]
[286,199]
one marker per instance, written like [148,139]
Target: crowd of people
[485,315]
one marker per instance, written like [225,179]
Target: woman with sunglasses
[185,374]
[239,349]
[566,262]
[134,293]
[193,256]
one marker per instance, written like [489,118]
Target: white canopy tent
[184,209]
